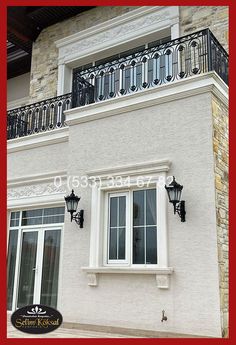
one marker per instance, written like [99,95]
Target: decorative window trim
[155,170]
[136,25]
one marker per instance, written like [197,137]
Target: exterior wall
[220,146]
[36,161]
[135,301]
[44,69]
[216,18]
[18,87]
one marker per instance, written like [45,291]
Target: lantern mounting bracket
[180,209]
[78,218]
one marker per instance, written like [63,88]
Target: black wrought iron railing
[37,117]
[180,58]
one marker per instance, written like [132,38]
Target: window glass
[43,216]
[117,227]
[144,227]
[15,217]
[11,265]
[50,272]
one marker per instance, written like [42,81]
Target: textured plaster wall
[192,303]
[37,161]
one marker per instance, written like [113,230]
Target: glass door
[28,268]
[39,267]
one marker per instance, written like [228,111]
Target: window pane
[113,212]
[51,256]
[117,230]
[151,207]
[53,219]
[113,244]
[122,211]
[32,221]
[32,213]
[53,211]
[15,216]
[151,245]
[138,208]
[138,246]
[121,254]
[11,265]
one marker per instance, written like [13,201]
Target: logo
[36,319]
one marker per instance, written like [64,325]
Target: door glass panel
[50,273]
[11,265]
[27,268]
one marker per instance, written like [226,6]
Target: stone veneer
[216,18]
[220,148]
[43,82]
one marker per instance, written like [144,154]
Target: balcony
[181,58]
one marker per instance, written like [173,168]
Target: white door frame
[39,259]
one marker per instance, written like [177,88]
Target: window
[132,218]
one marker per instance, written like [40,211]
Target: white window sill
[162,274]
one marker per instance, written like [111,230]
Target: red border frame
[3,76]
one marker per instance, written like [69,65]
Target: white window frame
[107,261]
[129,229]
[127,31]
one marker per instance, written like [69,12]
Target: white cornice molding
[191,86]
[130,26]
[36,178]
[146,168]
[55,136]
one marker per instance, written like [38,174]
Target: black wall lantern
[174,191]
[72,201]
